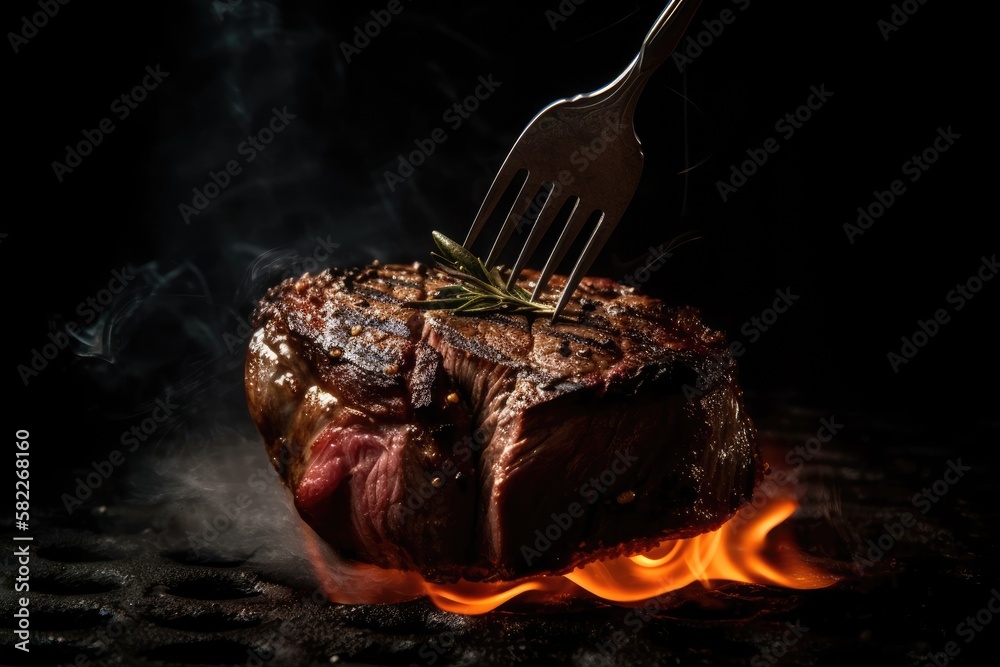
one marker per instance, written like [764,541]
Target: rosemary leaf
[479,291]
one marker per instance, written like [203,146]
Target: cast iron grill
[104,588]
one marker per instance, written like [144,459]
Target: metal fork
[594,134]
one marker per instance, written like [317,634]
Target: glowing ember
[738,551]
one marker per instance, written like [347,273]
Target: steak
[495,447]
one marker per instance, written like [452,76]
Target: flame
[738,551]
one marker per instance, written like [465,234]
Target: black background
[323,177]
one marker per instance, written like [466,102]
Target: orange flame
[738,551]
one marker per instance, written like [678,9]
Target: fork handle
[660,43]
[666,34]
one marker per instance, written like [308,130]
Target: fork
[594,133]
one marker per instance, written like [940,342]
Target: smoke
[225,178]
[217,499]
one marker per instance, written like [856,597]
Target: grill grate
[109,592]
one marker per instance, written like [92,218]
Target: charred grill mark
[399,282]
[378,295]
[474,347]
[602,343]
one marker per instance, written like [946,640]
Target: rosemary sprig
[479,291]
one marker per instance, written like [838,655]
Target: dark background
[324,176]
[176,332]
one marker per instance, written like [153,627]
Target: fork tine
[546,216]
[501,183]
[602,232]
[569,233]
[517,211]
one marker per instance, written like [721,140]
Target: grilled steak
[490,448]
